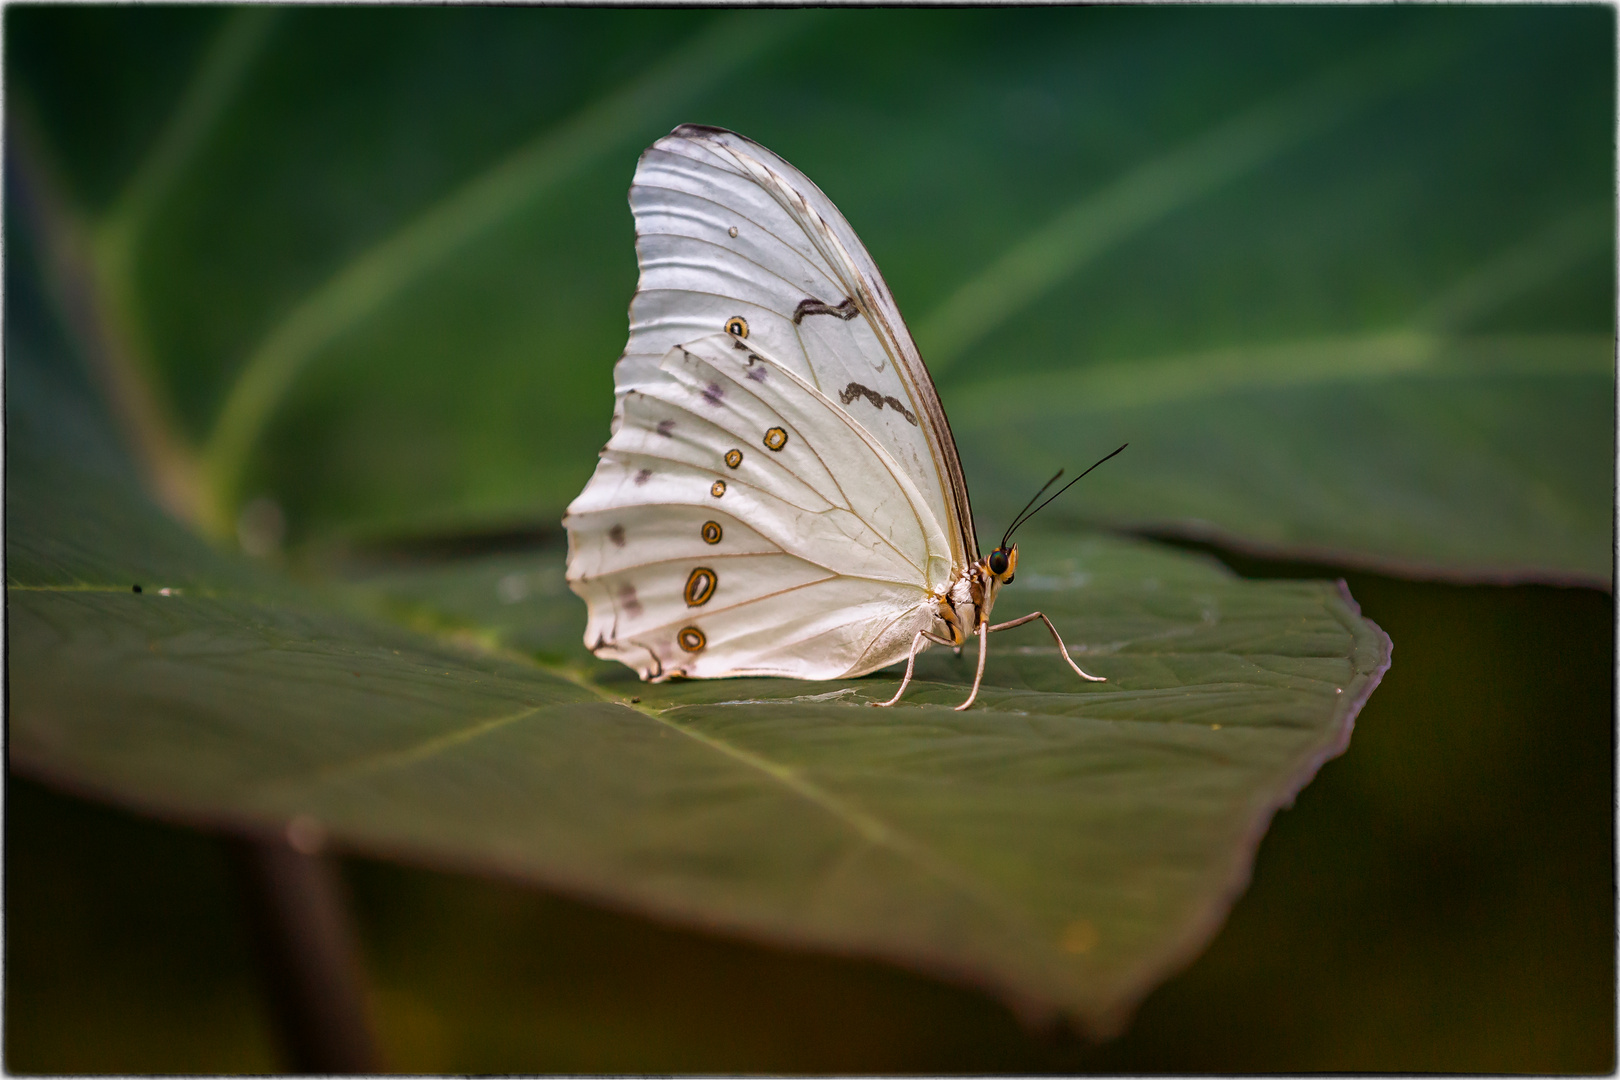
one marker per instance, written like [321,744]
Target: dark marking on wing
[665,427]
[689,130]
[712,393]
[757,374]
[855,390]
[643,476]
[616,534]
[627,597]
[846,311]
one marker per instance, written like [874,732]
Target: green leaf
[1063,844]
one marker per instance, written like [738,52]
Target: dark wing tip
[693,130]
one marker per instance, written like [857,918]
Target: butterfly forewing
[726,228]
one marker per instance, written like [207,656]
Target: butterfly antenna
[1029,504]
[1023,517]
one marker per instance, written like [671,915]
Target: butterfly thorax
[972,593]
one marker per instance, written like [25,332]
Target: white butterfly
[781,494]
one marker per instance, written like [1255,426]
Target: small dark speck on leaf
[635,701]
[137,589]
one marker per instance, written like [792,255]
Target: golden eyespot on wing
[775,439]
[733,458]
[700,586]
[711,532]
[732,232]
[737,326]
[718,488]
[691,639]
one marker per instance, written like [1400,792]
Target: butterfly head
[1002,562]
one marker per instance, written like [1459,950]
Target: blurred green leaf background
[1343,277]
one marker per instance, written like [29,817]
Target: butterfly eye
[737,326]
[998,562]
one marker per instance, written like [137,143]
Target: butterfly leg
[911,661]
[1061,648]
[978,677]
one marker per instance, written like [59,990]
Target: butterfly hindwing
[741,522]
